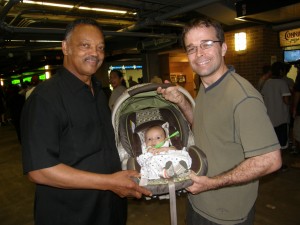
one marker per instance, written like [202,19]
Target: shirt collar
[75,83]
[230,69]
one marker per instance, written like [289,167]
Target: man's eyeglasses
[203,45]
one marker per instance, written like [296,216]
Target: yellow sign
[289,37]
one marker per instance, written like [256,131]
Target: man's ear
[224,48]
[64,47]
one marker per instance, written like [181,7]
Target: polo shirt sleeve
[40,134]
[254,128]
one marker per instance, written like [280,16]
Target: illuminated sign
[16,81]
[289,37]
[27,79]
[42,77]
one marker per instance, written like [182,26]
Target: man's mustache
[92,58]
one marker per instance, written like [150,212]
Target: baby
[162,162]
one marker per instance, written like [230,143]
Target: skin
[84,52]
[209,63]
[210,66]
[83,55]
[153,136]
[114,79]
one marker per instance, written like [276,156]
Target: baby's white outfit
[152,165]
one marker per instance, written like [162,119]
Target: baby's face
[154,136]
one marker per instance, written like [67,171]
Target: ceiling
[30,34]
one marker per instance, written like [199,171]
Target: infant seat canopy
[141,107]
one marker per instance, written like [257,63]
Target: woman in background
[118,83]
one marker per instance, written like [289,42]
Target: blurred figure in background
[296,112]
[277,96]
[35,80]
[131,82]
[155,79]
[266,74]
[15,102]
[2,107]
[118,83]
[290,82]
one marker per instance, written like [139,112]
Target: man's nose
[199,51]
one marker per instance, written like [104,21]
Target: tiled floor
[278,201]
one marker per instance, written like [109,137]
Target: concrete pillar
[150,66]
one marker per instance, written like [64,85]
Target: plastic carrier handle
[149,87]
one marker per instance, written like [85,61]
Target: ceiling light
[48,4]
[72,6]
[47,41]
[103,10]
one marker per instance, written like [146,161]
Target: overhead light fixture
[48,4]
[47,41]
[72,6]
[240,40]
[103,10]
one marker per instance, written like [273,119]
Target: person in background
[239,142]
[156,79]
[15,102]
[266,74]
[118,83]
[35,80]
[131,82]
[277,96]
[68,141]
[290,82]
[2,107]
[140,80]
[296,113]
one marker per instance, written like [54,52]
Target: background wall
[262,49]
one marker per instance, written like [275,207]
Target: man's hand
[200,184]
[122,184]
[171,94]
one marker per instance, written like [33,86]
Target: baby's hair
[155,126]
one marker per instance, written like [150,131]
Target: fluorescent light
[103,10]
[42,41]
[48,4]
[72,6]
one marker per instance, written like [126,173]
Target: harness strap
[173,212]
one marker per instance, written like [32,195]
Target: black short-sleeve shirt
[63,122]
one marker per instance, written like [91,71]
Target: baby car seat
[141,107]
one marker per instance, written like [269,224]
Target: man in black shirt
[68,140]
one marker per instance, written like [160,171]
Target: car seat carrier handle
[149,87]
